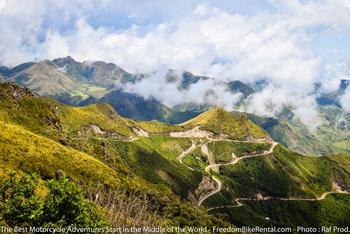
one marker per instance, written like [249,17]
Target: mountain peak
[235,125]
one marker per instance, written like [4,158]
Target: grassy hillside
[133,106]
[24,151]
[154,159]
[221,149]
[51,118]
[333,211]
[45,137]
[219,121]
[330,137]
[93,145]
[285,174]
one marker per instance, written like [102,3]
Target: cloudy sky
[292,43]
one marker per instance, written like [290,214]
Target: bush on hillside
[63,206]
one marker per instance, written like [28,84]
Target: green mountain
[330,137]
[95,146]
[217,169]
[83,83]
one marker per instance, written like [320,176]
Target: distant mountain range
[84,83]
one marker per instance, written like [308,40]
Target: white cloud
[207,40]
[207,91]
[272,99]
[334,73]
[345,100]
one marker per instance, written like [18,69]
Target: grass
[196,160]
[102,115]
[284,174]
[222,150]
[219,121]
[332,211]
[50,118]
[150,158]
[155,127]
[34,153]
[170,147]
[43,136]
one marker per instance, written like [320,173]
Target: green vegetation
[100,153]
[219,121]
[64,204]
[196,160]
[332,211]
[331,135]
[156,127]
[154,159]
[222,150]
[34,153]
[55,120]
[101,115]
[285,174]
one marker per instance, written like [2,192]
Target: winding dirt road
[214,167]
[319,198]
[235,160]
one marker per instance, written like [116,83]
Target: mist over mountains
[174,88]
[316,122]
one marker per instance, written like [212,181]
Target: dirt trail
[337,190]
[186,152]
[198,133]
[193,133]
[215,167]
[237,200]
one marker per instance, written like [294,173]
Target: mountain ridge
[84,83]
[94,146]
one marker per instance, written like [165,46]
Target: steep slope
[234,125]
[47,79]
[97,73]
[99,150]
[331,135]
[83,83]
[287,174]
[293,134]
[48,117]
[93,145]
[44,79]
[285,189]
[23,151]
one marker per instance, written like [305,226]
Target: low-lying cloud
[345,100]
[203,92]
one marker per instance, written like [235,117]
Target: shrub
[63,206]
[19,204]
